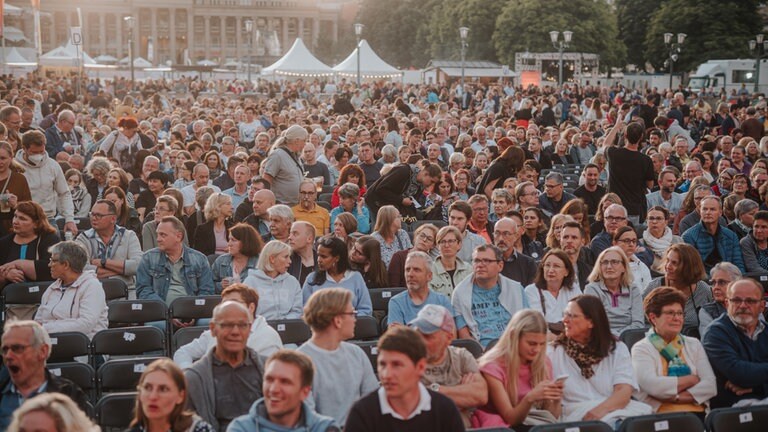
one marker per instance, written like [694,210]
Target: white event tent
[298,62]
[66,56]
[371,65]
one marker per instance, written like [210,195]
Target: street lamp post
[358,33]
[674,49]
[129,23]
[463,32]
[560,46]
[759,46]
[249,30]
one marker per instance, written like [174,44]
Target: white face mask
[35,159]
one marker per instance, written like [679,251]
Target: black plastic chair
[121,375]
[679,421]
[748,419]
[212,259]
[325,196]
[470,345]
[128,341]
[114,289]
[81,374]
[380,297]
[193,307]
[438,223]
[491,429]
[371,351]
[136,312]
[325,204]
[65,346]
[583,426]
[25,293]
[291,331]
[366,328]
[184,336]
[632,336]
[115,410]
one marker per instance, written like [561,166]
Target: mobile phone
[561,378]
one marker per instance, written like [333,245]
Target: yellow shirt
[319,217]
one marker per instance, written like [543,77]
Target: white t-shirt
[554,306]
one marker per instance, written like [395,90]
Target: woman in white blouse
[600,377]
[553,288]
[672,370]
[626,239]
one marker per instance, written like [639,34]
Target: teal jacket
[256,421]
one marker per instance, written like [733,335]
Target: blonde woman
[51,409]
[555,227]
[389,233]
[519,376]
[611,281]
[212,236]
[280,295]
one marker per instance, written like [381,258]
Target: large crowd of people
[545,225]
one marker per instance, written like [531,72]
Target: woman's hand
[14,275]
[545,391]
[13,200]
[596,413]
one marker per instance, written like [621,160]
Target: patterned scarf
[583,355]
[676,366]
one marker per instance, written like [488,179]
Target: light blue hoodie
[279,298]
[256,421]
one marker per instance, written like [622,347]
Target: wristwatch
[677,398]
[103,263]
[435,387]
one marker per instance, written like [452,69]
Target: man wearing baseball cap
[452,371]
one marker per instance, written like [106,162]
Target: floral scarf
[676,365]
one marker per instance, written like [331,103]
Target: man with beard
[517,266]
[737,346]
[572,243]
[666,196]
[591,192]
[307,210]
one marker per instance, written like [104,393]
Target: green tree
[634,17]
[716,29]
[397,31]
[525,25]
[444,23]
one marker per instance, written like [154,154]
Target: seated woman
[127,217]
[343,227]
[448,270]
[81,200]
[626,239]
[658,236]
[423,240]
[348,174]
[721,275]
[555,227]
[333,271]
[212,236]
[75,301]
[684,271]
[51,408]
[24,252]
[365,257]
[243,248]
[279,292]
[14,186]
[554,286]
[351,202]
[612,282]
[600,377]
[519,377]
[672,370]
[163,377]
[392,238]
[343,373]
[165,206]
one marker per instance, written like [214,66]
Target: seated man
[343,372]
[288,379]
[737,346]
[280,220]
[259,218]
[25,348]
[224,383]
[403,403]
[114,250]
[451,370]
[172,270]
[404,307]
[307,209]
[303,254]
[517,266]
[714,242]
[263,338]
[487,300]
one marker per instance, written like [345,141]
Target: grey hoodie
[279,298]
[48,187]
[256,421]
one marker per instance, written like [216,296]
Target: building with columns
[182,31]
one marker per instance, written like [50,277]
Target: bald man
[262,201]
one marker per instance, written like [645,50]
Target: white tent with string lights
[371,65]
[298,62]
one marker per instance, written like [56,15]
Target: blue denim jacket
[154,274]
[222,268]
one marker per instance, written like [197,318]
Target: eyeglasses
[15,348]
[655,219]
[353,313]
[448,242]
[628,241]
[502,233]
[426,237]
[719,282]
[747,301]
[99,215]
[307,192]
[615,218]
[484,261]
[552,186]
[230,325]
[611,263]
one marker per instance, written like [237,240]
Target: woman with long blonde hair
[519,376]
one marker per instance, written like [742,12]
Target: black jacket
[57,385]
[295,268]
[205,239]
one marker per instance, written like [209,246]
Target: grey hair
[502,193]
[72,253]
[619,206]
[389,150]
[727,267]
[281,211]
[349,190]
[556,176]
[202,195]
[39,334]
[744,206]
[495,249]
[414,254]
[273,247]
[219,309]
[66,114]
[98,164]
[457,158]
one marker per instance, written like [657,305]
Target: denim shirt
[154,274]
[222,268]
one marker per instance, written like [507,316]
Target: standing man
[591,191]
[631,171]
[228,379]
[283,169]
[403,403]
[401,186]
[307,210]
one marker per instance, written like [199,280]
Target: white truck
[729,74]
